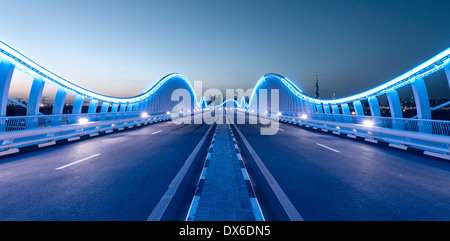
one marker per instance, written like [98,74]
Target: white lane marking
[156,132]
[329,148]
[165,200]
[287,205]
[76,162]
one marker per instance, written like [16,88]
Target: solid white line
[329,148]
[156,132]
[165,200]
[193,209]
[287,205]
[76,162]
[256,209]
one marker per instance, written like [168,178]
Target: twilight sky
[121,47]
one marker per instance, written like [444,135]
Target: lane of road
[119,176]
[328,177]
[123,176]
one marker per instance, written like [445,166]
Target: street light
[368,123]
[83,121]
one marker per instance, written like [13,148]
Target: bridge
[172,154]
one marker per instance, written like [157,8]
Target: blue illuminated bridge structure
[272,153]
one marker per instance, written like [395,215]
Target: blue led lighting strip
[33,69]
[432,65]
[29,67]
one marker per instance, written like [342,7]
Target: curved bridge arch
[293,101]
[157,98]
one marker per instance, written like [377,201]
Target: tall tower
[317,84]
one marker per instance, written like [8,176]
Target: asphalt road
[329,177]
[119,176]
[123,176]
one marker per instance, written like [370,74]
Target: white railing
[435,127]
[429,135]
[31,130]
[19,123]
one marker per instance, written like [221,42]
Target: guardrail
[427,135]
[435,127]
[30,130]
[19,123]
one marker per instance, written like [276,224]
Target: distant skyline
[120,48]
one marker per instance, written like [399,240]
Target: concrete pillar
[422,104]
[123,107]
[319,108]
[105,107]
[6,72]
[313,108]
[374,106]
[335,109]
[60,100]
[358,107]
[78,104]
[345,109]
[93,106]
[114,108]
[34,100]
[326,109]
[421,99]
[394,104]
[141,105]
[447,70]
[336,113]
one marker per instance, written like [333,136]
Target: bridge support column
[319,108]
[114,108]
[421,99]
[346,111]
[105,107]
[375,110]
[141,106]
[6,72]
[394,104]
[320,111]
[335,109]
[313,108]
[374,106]
[359,111]
[93,106]
[78,104]
[307,107]
[447,70]
[336,113]
[358,108]
[326,109]
[60,99]
[395,108]
[58,106]
[103,110]
[422,104]
[123,107]
[34,100]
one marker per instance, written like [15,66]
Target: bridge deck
[223,192]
